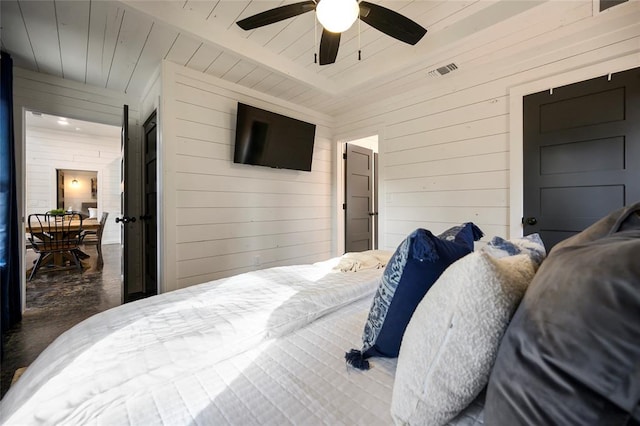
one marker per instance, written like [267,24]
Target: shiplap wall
[445,147]
[48,150]
[222,218]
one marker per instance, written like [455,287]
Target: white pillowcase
[93,213]
[451,342]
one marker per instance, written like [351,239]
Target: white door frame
[516,95]
[21,166]
[53,171]
[340,182]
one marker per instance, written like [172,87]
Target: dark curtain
[9,224]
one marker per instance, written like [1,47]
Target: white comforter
[133,362]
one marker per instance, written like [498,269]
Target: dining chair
[56,238]
[90,237]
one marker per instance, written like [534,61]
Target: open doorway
[74,166]
[78,192]
[360,165]
[61,301]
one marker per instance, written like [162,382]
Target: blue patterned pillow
[530,244]
[464,234]
[414,267]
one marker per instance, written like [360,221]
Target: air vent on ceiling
[443,70]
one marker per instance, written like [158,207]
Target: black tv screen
[264,138]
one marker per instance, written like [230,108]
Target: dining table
[73,225]
[59,259]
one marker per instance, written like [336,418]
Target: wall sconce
[74,182]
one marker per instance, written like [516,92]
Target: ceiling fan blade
[329,44]
[277,14]
[391,23]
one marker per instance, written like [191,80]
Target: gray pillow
[571,354]
[605,226]
[451,342]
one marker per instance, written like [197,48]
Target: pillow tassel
[355,358]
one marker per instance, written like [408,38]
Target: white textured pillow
[93,213]
[451,342]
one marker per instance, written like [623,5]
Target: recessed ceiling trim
[444,41]
[183,20]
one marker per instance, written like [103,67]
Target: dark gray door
[124,205]
[375,201]
[358,196]
[581,154]
[129,202]
[150,216]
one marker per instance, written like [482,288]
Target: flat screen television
[264,138]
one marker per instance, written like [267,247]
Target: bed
[268,347]
[172,359]
[265,347]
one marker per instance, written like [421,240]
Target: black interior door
[150,215]
[358,194]
[130,190]
[375,200]
[581,154]
[124,206]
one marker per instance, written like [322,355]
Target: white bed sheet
[146,362]
[303,379]
[299,379]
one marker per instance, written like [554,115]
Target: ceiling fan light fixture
[337,15]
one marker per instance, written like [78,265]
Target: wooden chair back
[54,233]
[103,221]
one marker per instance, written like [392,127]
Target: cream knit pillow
[452,339]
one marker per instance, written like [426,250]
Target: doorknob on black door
[125,219]
[531,221]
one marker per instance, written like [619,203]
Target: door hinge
[344,206]
[344,156]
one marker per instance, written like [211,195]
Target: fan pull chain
[315,40]
[359,50]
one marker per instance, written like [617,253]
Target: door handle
[125,219]
[531,221]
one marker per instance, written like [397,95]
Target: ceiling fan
[337,16]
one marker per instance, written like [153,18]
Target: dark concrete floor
[56,301]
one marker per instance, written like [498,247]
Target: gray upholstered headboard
[85,207]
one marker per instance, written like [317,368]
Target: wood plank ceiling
[119,45]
